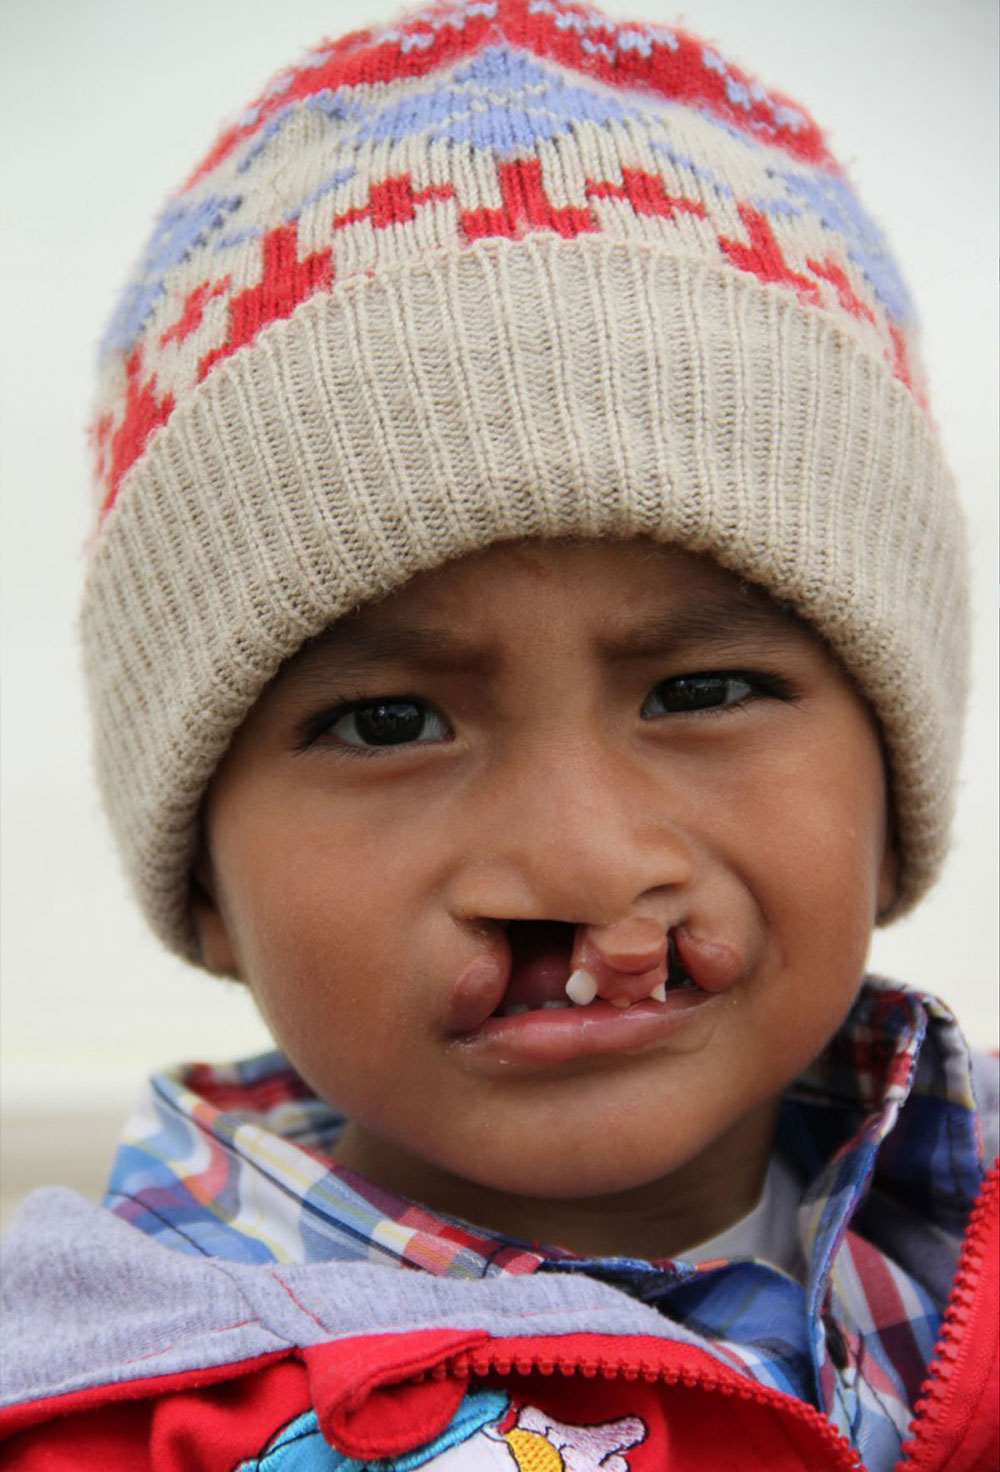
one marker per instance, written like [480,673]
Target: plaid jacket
[883,1130]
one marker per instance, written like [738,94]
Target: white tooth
[659,992]
[621,1002]
[547,1006]
[581,988]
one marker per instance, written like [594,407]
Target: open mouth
[557,995]
[541,965]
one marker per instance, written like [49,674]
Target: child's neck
[659,1219]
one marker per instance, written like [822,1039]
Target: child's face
[573,733]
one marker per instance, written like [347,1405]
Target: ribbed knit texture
[505,270]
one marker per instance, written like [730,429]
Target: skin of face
[584,732]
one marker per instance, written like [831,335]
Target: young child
[526,639]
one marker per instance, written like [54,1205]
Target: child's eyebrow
[715,620]
[353,647]
[724,620]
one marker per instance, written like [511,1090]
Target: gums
[555,965]
[515,989]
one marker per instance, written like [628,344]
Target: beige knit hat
[505,269]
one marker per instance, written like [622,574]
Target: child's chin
[607,1167]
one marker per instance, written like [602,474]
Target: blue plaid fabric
[882,1130]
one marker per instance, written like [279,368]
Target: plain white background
[106,105]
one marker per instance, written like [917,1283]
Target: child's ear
[215,948]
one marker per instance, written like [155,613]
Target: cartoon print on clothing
[539,1443]
[486,1434]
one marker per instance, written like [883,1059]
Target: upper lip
[712,964]
[480,986]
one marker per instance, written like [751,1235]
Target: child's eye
[690,693]
[390,722]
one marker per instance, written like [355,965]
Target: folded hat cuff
[545,387]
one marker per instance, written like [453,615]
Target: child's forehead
[627,597]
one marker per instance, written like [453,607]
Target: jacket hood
[88,1300]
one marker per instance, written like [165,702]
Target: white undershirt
[768,1232]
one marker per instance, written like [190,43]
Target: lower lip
[565,1034]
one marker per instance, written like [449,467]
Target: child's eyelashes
[712,690]
[387,722]
[368,725]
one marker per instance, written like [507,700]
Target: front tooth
[659,992]
[581,988]
[621,1002]
[547,1006]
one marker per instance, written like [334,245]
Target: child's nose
[580,840]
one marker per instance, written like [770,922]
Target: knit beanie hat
[505,269]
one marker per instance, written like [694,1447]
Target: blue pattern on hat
[839,210]
[465,111]
[183,225]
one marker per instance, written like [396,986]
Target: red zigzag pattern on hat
[286,280]
[687,71]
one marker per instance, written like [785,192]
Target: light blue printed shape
[684,161]
[263,135]
[745,94]
[180,227]
[839,210]
[336,105]
[339,110]
[539,106]
[300,1446]
[332,182]
[592,20]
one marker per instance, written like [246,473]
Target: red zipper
[511,1356]
[367,1407]
[954,1345]
[524,1357]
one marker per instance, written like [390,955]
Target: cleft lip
[678,976]
[713,965]
[483,989]
[480,988]
[627,985]
[624,961]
